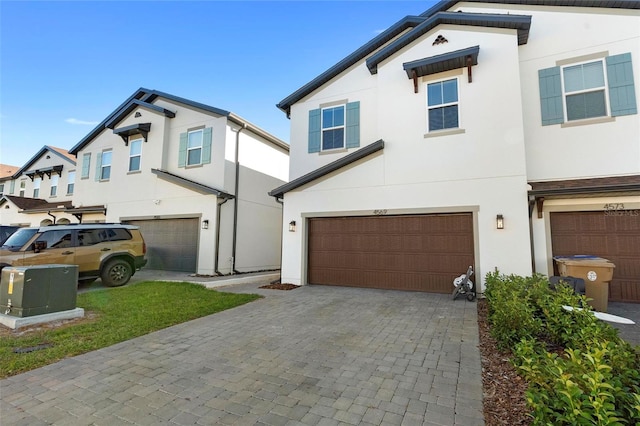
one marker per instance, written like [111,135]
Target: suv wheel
[116,272]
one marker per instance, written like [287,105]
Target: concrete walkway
[315,355]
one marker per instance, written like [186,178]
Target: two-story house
[496,134]
[192,176]
[40,192]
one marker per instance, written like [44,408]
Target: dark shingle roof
[37,204]
[418,24]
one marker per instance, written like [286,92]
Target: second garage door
[172,244]
[411,252]
[612,235]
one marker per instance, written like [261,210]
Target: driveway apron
[314,355]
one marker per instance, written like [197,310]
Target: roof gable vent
[440,40]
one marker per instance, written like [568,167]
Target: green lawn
[120,314]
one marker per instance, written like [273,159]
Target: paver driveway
[314,355]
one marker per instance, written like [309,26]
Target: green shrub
[591,377]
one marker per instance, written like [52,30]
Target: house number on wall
[380,212]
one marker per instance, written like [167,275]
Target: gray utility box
[34,290]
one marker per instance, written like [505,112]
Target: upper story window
[195,147]
[23,186]
[135,154]
[36,187]
[584,90]
[334,126]
[333,122]
[71,182]
[86,165]
[442,105]
[104,165]
[54,185]
[1,188]
[587,88]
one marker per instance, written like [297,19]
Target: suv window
[119,234]
[89,237]
[56,239]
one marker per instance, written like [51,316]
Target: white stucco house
[39,192]
[496,134]
[192,176]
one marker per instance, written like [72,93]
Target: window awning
[44,171]
[441,63]
[134,129]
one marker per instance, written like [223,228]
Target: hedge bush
[580,372]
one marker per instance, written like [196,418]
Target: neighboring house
[408,155]
[6,176]
[40,192]
[193,177]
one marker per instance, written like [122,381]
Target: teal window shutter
[182,150]
[314,130]
[353,125]
[550,96]
[206,145]
[622,92]
[12,187]
[98,165]
[86,164]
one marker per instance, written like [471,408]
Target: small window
[442,102]
[105,166]
[194,148]
[86,165]
[333,127]
[135,153]
[36,187]
[23,186]
[1,188]
[71,181]
[585,91]
[54,185]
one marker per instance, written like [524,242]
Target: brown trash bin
[597,272]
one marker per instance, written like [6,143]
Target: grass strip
[121,314]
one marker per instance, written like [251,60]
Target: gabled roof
[191,184]
[419,24]
[328,168]
[145,98]
[58,152]
[7,171]
[35,205]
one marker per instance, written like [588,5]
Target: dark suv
[112,252]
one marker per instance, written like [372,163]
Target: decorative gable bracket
[135,129]
[45,171]
[441,63]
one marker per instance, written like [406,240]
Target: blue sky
[66,65]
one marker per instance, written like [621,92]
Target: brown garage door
[614,237]
[172,244]
[419,253]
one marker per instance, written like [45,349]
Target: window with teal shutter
[314,130]
[622,93]
[584,90]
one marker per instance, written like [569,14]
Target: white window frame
[23,187]
[55,179]
[104,165]
[444,104]
[605,88]
[71,182]
[36,187]
[189,149]
[86,159]
[343,127]
[131,156]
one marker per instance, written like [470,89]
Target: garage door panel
[420,253]
[612,236]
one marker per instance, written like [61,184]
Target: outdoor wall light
[499,221]
[292,226]
[205,224]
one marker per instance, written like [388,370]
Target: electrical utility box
[34,290]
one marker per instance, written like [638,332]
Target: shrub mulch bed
[503,390]
[279,286]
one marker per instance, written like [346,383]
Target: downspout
[54,218]
[281,202]
[235,202]
[217,255]
[532,204]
